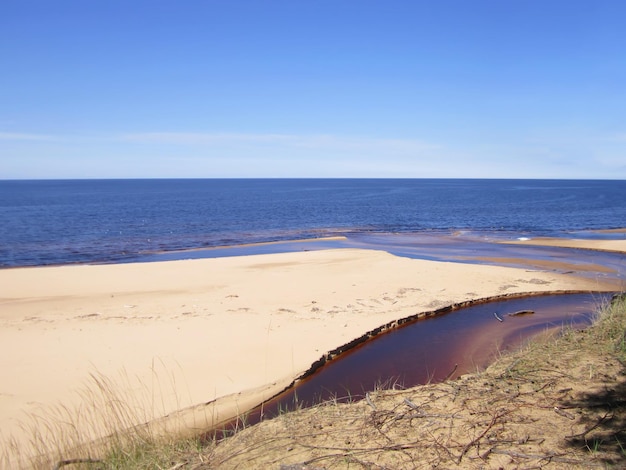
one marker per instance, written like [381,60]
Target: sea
[55,222]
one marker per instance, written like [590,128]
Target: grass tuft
[108,419]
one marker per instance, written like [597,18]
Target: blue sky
[313,88]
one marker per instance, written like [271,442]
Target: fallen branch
[495,314]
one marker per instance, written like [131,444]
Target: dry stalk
[63,463]
[476,440]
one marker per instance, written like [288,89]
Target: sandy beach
[185,333]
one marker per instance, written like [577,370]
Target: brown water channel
[441,346]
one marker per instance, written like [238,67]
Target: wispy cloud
[201,139]
[196,138]
[183,154]
[315,141]
[20,136]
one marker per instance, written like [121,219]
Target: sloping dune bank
[227,332]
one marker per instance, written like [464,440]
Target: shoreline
[251,244]
[177,321]
[342,240]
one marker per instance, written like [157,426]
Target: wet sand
[230,331]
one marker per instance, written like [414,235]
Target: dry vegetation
[559,403]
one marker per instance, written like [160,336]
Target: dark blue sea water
[56,222]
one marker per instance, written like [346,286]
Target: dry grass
[107,420]
[559,403]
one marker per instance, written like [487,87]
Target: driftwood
[521,312]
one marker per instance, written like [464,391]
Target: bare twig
[177,466]
[421,414]
[476,440]
[451,372]
[63,463]
[563,413]
[511,367]
[411,404]
[587,431]
[550,457]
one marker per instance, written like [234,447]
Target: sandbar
[601,245]
[228,331]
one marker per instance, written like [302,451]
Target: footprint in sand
[239,310]
[88,315]
[534,281]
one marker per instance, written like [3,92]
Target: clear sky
[313,88]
